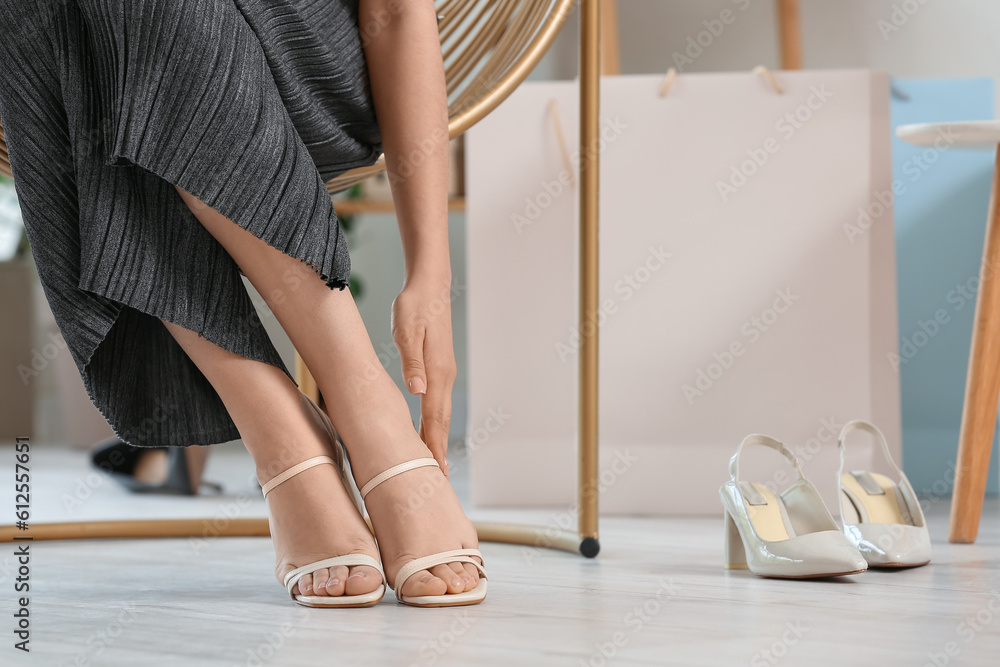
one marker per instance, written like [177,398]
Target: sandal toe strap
[293,577]
[427,562]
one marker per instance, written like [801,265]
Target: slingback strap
[293,577]
[393,471]
[295,470]
[427,562]
[767,441]
[859,425]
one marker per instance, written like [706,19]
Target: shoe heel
[736,557]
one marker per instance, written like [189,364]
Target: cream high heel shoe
[789,536]
[292,578]
[475,596]
[881,517]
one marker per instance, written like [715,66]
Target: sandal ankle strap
[295,470]
[395,470]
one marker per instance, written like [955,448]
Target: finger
[435,419]
[411,352]
[444,464]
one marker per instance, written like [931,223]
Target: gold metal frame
[508,37]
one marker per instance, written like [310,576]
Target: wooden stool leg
[307,384]
[790,33]
[982,388]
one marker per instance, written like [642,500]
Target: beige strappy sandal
[292,578]
[475,596]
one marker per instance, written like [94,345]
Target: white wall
[939,37]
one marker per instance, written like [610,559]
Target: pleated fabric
[107,104]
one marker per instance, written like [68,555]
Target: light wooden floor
[657,594]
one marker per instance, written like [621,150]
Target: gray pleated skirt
[106,105]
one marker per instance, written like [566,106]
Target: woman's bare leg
[153,466]
[414,514]
[311,516]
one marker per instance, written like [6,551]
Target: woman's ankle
[381,446]
[281,453]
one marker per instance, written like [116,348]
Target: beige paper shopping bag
[747,285]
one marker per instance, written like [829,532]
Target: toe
[450,577]
[473,573]
[458,569]
[305,585]
[423,583]
[320,577]
[363,579]
[336,583]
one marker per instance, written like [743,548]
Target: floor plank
[656,595]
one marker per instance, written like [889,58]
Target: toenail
[457,582]
[332,582]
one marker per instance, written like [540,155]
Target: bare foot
[416,514]
[312,517]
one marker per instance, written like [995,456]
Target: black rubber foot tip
[590,547]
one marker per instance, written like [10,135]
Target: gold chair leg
[590,88]
[536,536]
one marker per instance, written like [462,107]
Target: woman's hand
[421,329]
[406,68]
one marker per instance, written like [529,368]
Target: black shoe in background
[119,460]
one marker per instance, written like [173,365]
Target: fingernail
[417,385]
